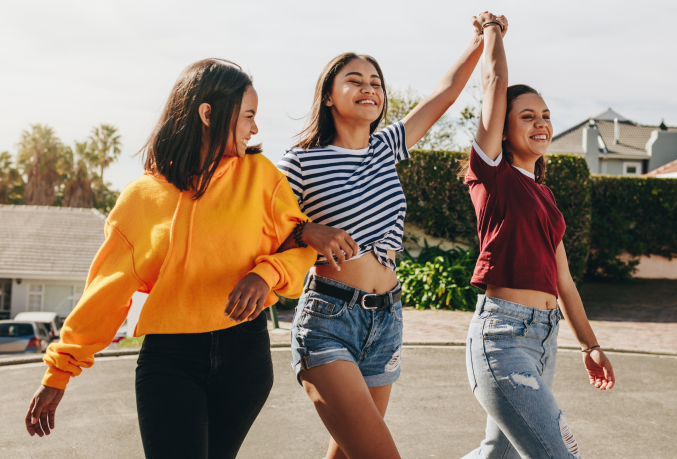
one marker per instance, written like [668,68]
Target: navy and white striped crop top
[357,191]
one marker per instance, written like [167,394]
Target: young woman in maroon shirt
[512,341]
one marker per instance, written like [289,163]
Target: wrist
[299,233]
[586,348]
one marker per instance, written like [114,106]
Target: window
[53,298]
[5,298]
[632,168]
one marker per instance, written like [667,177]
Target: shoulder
[391,133]
[260,165]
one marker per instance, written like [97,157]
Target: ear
[205,111]
[328,102]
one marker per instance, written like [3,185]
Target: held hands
[483,18]
[330,242]
[599,369]
[40,415]
[247,299]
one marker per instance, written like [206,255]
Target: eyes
[531,117]
[359,83]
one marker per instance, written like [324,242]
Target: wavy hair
[174,149]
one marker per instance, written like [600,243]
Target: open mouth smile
[367,102]
[540,137]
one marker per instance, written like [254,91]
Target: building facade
[615,145]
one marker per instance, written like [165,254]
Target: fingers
[353,245]
[34,418]
[329,255]
[233,299]
[29,425]
[242,306]
[44,425]
[257,311]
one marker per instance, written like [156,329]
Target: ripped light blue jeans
[510,357]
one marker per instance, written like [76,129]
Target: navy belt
[370,301]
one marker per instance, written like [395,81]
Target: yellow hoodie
[188,255]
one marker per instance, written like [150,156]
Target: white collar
[525,172]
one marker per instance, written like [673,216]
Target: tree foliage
[49,173]
[440,137]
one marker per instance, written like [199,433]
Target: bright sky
[75,64]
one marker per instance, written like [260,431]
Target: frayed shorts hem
[333,355]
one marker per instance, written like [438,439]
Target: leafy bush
[438,278]
[437,199]
[634,215]
[568,177]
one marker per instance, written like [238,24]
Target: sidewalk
[641,316]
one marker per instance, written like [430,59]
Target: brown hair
[321,130]
[513,93]
[174,149]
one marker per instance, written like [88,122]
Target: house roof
[49,242]
[632,140]
[669,168]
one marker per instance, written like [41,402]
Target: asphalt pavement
[432,412]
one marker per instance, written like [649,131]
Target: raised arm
[494,85]
[429,110]
[599,368]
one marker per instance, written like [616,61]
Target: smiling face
[528,131]
[357,93]
[246,125]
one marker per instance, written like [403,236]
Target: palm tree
[41,156]
[78,184]
[105,146]
[11,181]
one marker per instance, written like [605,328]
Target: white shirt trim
[525,172]
[485,158]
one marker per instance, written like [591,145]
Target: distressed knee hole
[568,436]
[524,380]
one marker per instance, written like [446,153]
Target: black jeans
[198,394]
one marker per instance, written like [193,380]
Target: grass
[131,342]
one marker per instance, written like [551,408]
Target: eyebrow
[532,110]
[359,74]
[250,110]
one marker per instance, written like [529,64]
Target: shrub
[438,278]
[634,215]
[568,177]
[437,199]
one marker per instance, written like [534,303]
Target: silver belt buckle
[362,302]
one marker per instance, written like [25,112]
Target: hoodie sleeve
[285,272]
[92,325]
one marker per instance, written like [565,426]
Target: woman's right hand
[330,242]
[40,415]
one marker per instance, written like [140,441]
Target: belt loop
[533,316]
[484,300]
[309,277]
[390,298]
[356,295]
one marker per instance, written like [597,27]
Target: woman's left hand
[247,299]
[599,369]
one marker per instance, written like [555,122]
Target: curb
[135,351]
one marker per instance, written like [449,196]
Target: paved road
[432,413]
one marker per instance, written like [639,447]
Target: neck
[350,135]
[528,165]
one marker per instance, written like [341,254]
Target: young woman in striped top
[347,331]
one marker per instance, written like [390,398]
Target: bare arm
[596,363]
[494,85]
[429,110]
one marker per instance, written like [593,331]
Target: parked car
[23,337]
[50,320]
[120,335]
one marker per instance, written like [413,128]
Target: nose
[254,129]
[367,88]
[539,122]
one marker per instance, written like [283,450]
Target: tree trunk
[40,188]
[79,194]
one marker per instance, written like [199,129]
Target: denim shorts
[326,329]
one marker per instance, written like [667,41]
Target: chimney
[617,131]
[591,146]
[662,126]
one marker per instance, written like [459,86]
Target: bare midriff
[532,298]
[364,273]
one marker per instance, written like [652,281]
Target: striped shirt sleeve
[290,165]
[396,138]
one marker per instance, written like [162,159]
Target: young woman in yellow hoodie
[199,232]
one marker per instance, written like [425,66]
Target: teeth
[244,141]
[540,137]
[367,102]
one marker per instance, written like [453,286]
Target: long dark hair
[321,130]
[514,92]
[174,149]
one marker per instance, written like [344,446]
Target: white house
[615,145]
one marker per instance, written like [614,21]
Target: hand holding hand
[330,242]
[40,415]
[486,17]
[599,369]
[247,299]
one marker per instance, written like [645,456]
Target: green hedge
[438,200]
[634,215]
[568,177]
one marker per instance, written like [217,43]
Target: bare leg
[352,412]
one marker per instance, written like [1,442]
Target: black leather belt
[369,301]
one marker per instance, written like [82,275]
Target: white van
[50,320]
